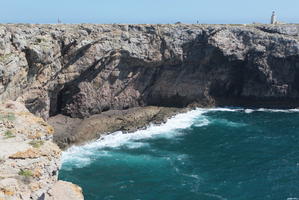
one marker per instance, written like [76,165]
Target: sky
[148,11]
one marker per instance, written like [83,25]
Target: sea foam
[80,156]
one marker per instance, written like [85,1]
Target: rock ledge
[29,160]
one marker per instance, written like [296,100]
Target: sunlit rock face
[81,70]
[29,160]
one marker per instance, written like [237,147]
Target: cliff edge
[82,70]
[75,73]
[29,160]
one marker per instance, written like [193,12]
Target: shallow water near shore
[207,154]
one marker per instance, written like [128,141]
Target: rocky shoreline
[70,131]
[87,80]
[30,159]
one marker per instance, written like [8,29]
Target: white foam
[248,111]
[81,155]
[136,145]
[202,121]
[225,122]
[253,110]
[215,196]
[225,109]
[278,110]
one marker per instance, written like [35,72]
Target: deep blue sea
[205,154]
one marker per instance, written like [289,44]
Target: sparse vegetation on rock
[36,143]
[25,173]
[8,134]
[26,164]
[7,116]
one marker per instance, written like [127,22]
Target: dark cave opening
[56,102]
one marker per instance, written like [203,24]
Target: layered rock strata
[82,70]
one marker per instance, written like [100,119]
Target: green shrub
[8,116]
[36,143]
[11,116]
[8,134]
[25,173]
[4,57]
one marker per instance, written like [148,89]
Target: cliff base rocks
[70,131]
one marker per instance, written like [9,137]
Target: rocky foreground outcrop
[82,70]
[29,160]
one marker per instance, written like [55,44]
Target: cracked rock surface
[82,70]
[29,160]
[80,75]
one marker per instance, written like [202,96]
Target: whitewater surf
[221,153]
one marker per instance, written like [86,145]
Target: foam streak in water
[80,156]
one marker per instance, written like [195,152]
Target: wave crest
[80,156]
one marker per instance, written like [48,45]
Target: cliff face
[80,70]
[29,161]
[83,70]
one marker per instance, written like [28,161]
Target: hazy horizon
[148,12]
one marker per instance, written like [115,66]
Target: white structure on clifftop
[273,18]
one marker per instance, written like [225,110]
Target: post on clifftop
[273,18]
[58,21]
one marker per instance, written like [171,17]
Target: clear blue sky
[147,11]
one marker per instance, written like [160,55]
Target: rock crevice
[82,70]
[29,160]
[72,74]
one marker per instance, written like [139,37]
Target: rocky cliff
[29,160]
[76,72]
[81,70]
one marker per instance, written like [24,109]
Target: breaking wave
[80,156]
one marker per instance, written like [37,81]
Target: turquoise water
[232,154]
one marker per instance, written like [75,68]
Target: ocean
[204,154]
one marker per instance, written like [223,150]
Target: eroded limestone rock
[69,131]
[81,70]
[29,160]
[63,190]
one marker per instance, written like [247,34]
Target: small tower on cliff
[273,18]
